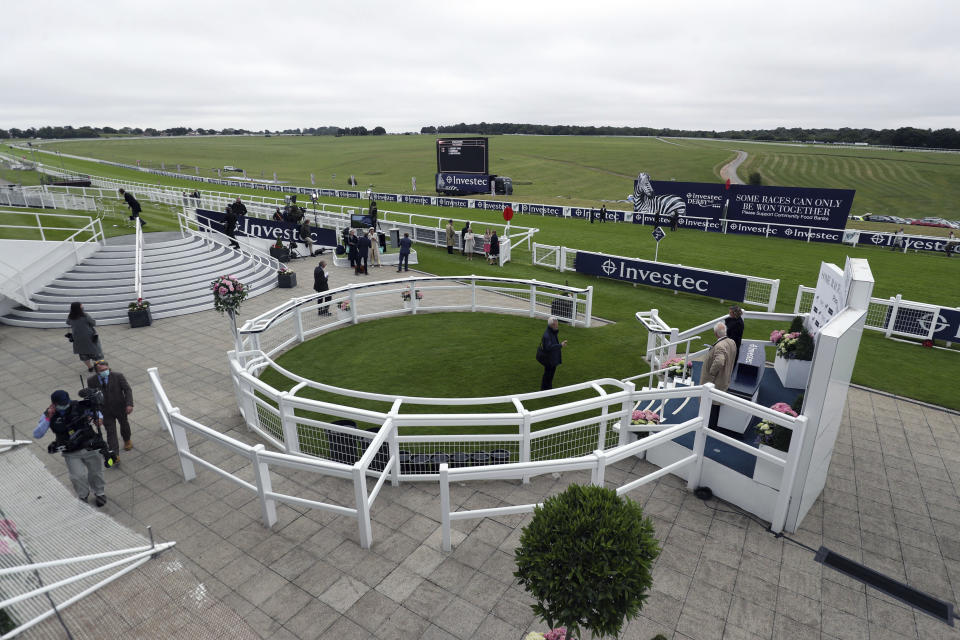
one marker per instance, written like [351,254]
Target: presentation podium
[744,383]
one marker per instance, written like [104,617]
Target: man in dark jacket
[134,208]
[363,249]
[321,282]
[550,342]
[404,262]
[734,323]
[117,405]
[230,227]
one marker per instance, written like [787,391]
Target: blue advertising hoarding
[491,205]
[702,199]
[665,276]
[268,229]
[888,240]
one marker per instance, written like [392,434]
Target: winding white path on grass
[729,170]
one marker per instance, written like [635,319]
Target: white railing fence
[37,198]
[262,465]
[138,261]
[189,226]
[893,316]
[21,281]
[760,291]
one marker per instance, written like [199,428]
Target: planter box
[141,318]
[282,254]
[767,473]
[793,374]
[286,280]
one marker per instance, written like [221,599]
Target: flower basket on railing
[405,296]
[138,313]
[228,294]
[794,354]
[286,278]
[678,368]
[772,438]
[644,416]
[343,309]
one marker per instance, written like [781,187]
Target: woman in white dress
[468,243]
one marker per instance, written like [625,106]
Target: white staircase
[177,273]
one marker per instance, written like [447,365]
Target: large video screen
[462,155]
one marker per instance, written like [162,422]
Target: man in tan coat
[450,236]
[720,360]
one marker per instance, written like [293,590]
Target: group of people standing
[361,249]
[72,421]
[468,242]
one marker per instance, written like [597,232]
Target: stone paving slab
[891,502]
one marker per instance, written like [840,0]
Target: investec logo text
[619,269]
[470,182]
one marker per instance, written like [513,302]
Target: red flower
[928,344]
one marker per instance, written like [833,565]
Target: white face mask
[105,373]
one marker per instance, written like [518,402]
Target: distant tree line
[902,137]
[48,133]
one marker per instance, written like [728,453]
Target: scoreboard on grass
[462,155]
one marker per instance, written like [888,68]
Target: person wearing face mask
[117,405]
[71,426]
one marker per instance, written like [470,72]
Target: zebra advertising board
[700,199]
[666,276]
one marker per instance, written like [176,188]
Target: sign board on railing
[665,276]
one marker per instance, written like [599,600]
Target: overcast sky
[406,64]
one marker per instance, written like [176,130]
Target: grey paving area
[891,502]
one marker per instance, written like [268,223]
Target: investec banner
[886,239]
[267,229]
[665,276]
[541,210]
[462,183]
[703,199]
[947,323]
[584,214]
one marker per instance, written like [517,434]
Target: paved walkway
[729,170]
[891,501]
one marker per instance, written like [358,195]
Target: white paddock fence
[893,316]
[342,449]
[760,291]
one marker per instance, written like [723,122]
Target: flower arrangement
[228,293]
[644,417]
[344,305]
[405,294]
[560,633]
[139,305]
[774,435]
[678,367]
[284,270]
[795,344]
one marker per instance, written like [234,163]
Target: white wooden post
[473,294]
[533,300]
[589,310]
[598,473]
[779,518]
[774,292]
[626,412]
[525,440]
[298,323]
[288,424]
[261,471]
[180,440]
[353,307]
[893,315]
[700,440]
[363,509]
[444,507]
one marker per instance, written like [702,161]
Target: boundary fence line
[759,291]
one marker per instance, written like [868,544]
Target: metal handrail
[219,237]
[138,262]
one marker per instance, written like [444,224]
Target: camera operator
[72,425]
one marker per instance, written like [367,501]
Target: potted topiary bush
[587,557]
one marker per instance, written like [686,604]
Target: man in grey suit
[117,405]
[719,365]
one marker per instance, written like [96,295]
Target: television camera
[85,433]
